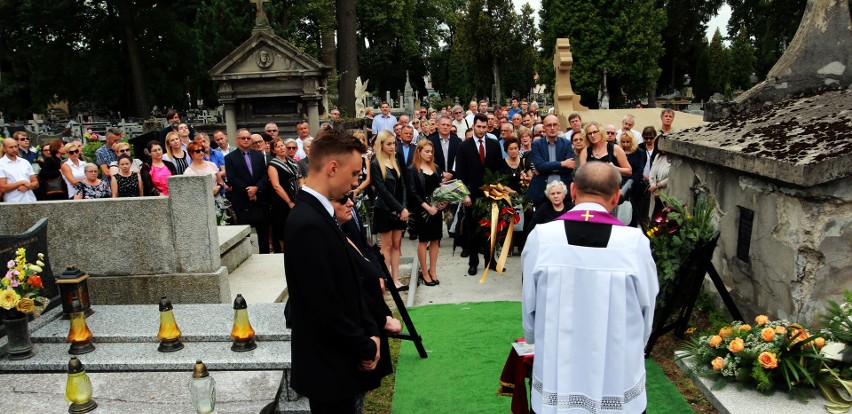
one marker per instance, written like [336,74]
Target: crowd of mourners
[408,157]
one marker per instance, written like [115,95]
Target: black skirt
[385,221]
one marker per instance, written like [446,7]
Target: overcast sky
[720,21]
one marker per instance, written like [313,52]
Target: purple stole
[591,216]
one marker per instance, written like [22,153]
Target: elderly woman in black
[284,175]
[372,287]
[390,212]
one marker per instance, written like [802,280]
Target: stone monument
[565,101]
[361,97]
[267,79]
[409,95]
[779,168]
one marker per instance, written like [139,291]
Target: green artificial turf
[467,345]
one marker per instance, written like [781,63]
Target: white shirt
[461,127]
[14,171]
[477,140]
[300,153]
[589,313]
[225,151]
[78,172]
[322,199]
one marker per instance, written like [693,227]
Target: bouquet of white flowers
[449,192]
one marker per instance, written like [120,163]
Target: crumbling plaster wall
[801,241]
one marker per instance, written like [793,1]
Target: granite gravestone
[35,241]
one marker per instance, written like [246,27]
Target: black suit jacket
[239,178]
[331,324]
[654,152]
[470,169]
[450,157]
[401,155]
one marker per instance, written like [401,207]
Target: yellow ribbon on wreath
[497,192]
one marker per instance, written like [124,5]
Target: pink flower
[15,283]
[10,264]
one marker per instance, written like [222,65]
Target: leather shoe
[402,288]
[464,253]
[471,270]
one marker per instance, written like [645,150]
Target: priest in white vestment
[589,287]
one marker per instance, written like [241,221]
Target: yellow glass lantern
[242,333]
[169,334]
[78,388]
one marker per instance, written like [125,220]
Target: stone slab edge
[729,400]
[179,287]
[138,357]
[242,232]
[805,175]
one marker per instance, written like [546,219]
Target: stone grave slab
[197,322]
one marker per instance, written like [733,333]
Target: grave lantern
[79,335]
[202,389]
[242,333]
[78,388]
[169,334]
[73,284]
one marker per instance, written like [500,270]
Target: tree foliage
[771,23]
[684,39]
[622,36]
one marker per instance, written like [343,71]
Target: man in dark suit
[246,172]
[446,146]
[546,167]
[474,157]
[334,337]
[404,157]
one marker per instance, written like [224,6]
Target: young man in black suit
[246,172]
[474,157]
[334,337]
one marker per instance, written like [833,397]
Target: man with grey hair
[588,278]
[667,118]
[271,129]
[303,132]
[627,124]
[459,121]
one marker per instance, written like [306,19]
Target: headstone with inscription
[34,240]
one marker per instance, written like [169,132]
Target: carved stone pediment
[265,55]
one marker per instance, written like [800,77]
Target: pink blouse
[160,177]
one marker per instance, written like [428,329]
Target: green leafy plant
[674,234]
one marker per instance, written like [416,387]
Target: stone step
[260,279]
[144,357]
[198,323]
[234,245]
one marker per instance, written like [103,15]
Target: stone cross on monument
[260,17]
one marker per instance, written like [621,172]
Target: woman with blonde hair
[175,153]
[123,148]
[424,177]
[598,149]
[636,159]
[73,169]
[391,198]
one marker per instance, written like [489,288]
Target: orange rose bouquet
[766,355]
[20,287]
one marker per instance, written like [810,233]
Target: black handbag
[55,187]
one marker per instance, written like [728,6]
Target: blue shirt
[382,122]
[104,155]
[512,112]
[216,157]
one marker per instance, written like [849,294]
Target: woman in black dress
[371,281]
[424,178]
[636,159]
[391,198]
[514,167]
[126,182]
[284,175]
[50,176]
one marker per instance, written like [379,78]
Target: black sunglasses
[74,152]
[199,151]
